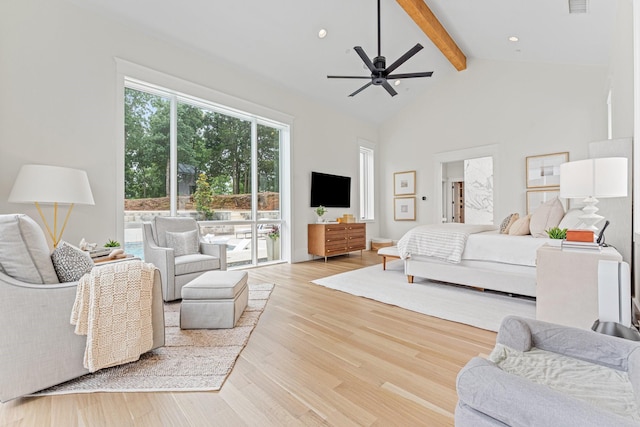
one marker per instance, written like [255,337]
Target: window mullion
[173,157]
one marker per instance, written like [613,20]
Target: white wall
[58,92]
[525,109]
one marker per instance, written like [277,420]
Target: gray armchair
[38,346]
[174,246]
[491,396]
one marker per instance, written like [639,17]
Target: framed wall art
[404,183]
[404,209]
[535,198]
[544,170]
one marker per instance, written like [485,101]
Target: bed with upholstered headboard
[487,257]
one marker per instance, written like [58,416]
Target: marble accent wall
[478,190]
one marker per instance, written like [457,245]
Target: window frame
[366,161]
[138,77]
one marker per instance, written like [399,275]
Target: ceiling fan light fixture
[322,33]
[381,75]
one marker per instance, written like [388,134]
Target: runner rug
[446,301]
[191,360]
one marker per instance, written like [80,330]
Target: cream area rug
[191,360]
[463,305]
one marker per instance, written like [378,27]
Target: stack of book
[100,252]
[568,245]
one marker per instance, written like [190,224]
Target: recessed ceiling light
[513,39]
[322,33]
[397,83]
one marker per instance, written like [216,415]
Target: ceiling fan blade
[349,77]
[404,58]
[361,89]
[365,58]
[389,88]
[409,75]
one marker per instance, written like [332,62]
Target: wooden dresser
[334,239]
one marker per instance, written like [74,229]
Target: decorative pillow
[70,262]
[184,243]
[520,227]
[548,215]
[571,219]
[24,252]
[508,222]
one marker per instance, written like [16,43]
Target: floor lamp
[592,179]
[42,184]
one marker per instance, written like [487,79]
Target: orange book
[580,236]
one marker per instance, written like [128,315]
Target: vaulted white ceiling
[277,39]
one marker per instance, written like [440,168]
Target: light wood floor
[316,357]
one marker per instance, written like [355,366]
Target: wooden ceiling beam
[427,21]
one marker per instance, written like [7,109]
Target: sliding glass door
[188,157]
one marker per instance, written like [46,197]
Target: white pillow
[547,216]
[508,222]
[184,243]
[520,227]
[571,219]
[24,252]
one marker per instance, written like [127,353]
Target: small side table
[567,285]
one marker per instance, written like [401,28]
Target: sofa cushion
[185,243]
[24,252]
[508,222]
[546,216]
[196,263]
[520,227]
[70,262]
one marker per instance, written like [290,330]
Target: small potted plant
[112,244]
[320,210]
[557,235]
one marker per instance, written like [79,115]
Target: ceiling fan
[380,73]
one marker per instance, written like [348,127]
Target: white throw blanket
[598,385]
[113,309]
[443,241]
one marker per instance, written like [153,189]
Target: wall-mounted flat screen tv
[330,191]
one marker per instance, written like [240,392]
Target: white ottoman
[214,300]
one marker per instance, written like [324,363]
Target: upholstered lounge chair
[603,392]
[38,346]
[173,245]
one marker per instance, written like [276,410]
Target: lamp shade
[51,184]
[599,178]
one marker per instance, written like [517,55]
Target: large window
[366,183]
[188,157]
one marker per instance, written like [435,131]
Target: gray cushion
[196,263]
[185,243]
[172,224]
[24,252]
[70,262]
[215,285]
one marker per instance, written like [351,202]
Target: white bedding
[495,247]
[443,241]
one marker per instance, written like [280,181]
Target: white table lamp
[52,184]
[592,179]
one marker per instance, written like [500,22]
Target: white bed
[488,259]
